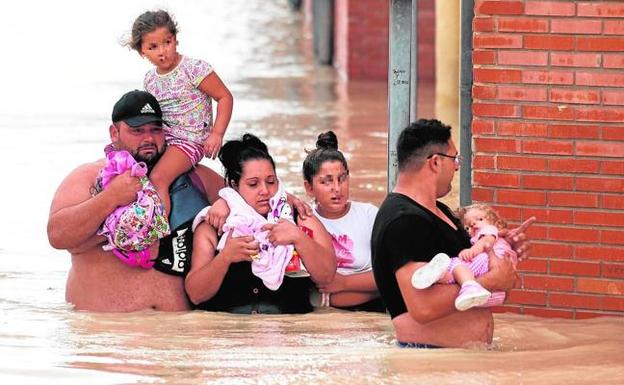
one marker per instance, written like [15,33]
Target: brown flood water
[262,50]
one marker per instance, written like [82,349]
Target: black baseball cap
[137,108]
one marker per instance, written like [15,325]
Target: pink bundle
[132,228]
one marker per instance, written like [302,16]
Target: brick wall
[361,39]
[548,141]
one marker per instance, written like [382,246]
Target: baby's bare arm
[484,244]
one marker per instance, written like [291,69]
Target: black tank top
[241,289]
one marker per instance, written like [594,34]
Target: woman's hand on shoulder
[303,209]
[283,232]
[239,249]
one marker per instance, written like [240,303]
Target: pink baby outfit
[244,220]
[132,228]
[480,263]
[186,109]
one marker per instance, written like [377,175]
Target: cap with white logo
[137,108]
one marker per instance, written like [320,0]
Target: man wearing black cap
[97,280]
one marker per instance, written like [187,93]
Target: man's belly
[98,281]
[455,330]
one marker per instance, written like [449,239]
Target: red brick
[499,7]
[483,92]
[550,8]
[511,214]
[548,250]
[536,231]
[612,201]
[612,167]
[551,147]
[483,24]
[482,126]
[613,98]
[601,9]
[575,301]
[599,44]
[606,79]
[497,41]
[614,270]
[549,42]
[606,184]
[571,165]
[520,163]
[482,194]
[523,58]
[561,95]
[604,149]
[547,182]
[507,309]
[566,59]
[545,215]
[581,315]
[496,110]
[597,114]
[613,303]
[574,131]
[522,93]
[548,77]
[548,113]
[522,197]
[492,179]
[573,234]
[612,237]
[540,282]
[602,253]
[548,312]
[575,268]
[483,57]
[575,26]
[496,145]
[614,27]
[485,75]
[613,61]
[483,162]
[512,24]
[534,265]
[564,199]
[600,286]
[521,128]
[613,133]
[599,218]
[527,297]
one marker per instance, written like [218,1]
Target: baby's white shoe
[431,272]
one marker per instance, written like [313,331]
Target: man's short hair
[421,139]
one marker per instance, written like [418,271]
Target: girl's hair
[148,22]
[491,215]
[235,153]
[326,150]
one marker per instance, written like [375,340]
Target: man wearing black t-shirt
[411,227]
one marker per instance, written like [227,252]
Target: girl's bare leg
[172,164]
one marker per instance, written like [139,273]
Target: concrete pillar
[447,41]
